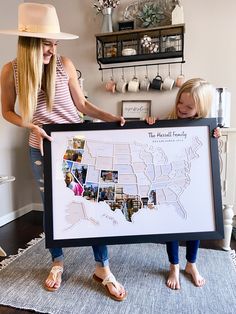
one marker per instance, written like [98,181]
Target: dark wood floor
[20,231]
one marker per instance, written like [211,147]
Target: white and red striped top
[64,109]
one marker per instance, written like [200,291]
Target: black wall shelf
[169,40]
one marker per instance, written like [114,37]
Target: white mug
[145,84]
[133,85]
[168,83]
[121,85]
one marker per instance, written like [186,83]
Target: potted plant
[150,15]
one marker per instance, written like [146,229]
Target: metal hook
[102,77]
[123,72]
[79,74]
[146,71]
[181,69]
[169,69]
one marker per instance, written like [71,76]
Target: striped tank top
[64,109]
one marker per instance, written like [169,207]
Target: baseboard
[20,212]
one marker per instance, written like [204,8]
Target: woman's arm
[80,101]
[8,100]
[8,95]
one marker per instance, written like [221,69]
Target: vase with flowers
[105,7]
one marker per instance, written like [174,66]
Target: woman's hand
[217,132]
[40,135]
[151,120]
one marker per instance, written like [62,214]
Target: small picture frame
[136,109]
[126,25]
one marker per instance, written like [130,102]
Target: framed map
[107,184]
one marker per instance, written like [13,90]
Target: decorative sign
[136,109]
[107,184]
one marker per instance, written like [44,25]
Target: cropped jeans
[100,251]
[191,251]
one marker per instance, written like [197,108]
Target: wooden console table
[227,150]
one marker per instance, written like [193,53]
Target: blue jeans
[100,251]
[191,251]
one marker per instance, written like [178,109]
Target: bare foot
[117,291]
[191,269]
[173,277]
[53,281]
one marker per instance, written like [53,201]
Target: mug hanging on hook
[168,82]
[122,83]
[111,85]
[180,78]
[133,85]
[145,83]
[157,81]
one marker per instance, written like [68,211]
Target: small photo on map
[73,154]
[78,142]
[90,191]
[106,193]
[66,166]
[152,197]
[108,176]
[80,172]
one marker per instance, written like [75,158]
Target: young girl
[193,101]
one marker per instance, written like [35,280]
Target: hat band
[51,29]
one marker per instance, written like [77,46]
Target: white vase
[106,20]
[177,16]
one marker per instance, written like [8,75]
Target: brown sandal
[55,270]
[110,279]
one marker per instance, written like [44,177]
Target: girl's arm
[81,102]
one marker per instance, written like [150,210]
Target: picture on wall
[136,109]
[107,184]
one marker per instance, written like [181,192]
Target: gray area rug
[142,268]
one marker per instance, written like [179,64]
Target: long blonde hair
[33,75]
[202,93]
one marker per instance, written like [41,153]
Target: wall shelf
[169,40]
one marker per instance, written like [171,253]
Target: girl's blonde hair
[202,94]
[34,75]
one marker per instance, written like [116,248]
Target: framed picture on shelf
[107,184]
[136,109]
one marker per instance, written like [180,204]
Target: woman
[48,92]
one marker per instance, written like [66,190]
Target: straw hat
[38,20]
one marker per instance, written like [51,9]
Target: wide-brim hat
[38,20]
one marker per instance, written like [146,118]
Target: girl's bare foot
[173,277]
[53,281]
[191,269]
[116,290]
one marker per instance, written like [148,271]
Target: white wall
[210,47]
[13,157]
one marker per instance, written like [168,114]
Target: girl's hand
[40,135]
[151,120]
[122,121]
[217,132]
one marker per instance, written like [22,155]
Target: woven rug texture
[141,268]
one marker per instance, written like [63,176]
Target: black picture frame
[204,186]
